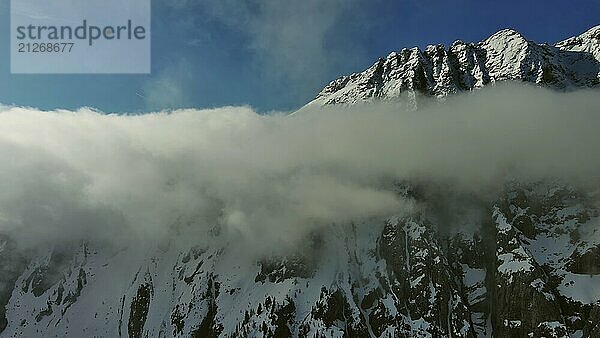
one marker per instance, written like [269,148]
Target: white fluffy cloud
[71,175]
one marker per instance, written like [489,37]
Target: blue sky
[276,55]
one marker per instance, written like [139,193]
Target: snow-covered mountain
[530,266]
[438,71]
[522,263]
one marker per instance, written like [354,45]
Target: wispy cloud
[167,89]
[287,38]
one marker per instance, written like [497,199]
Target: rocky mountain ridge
[438,71]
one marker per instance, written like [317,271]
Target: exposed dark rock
[587,263]
[139,310]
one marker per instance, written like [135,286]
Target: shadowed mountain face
[522,262]
[439,71]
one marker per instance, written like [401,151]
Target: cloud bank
[86,175]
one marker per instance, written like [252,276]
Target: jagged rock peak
[438,72]
[507,34]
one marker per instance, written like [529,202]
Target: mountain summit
[439,71]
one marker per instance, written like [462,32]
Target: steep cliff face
[524,262]
[439,71]
[528,265]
